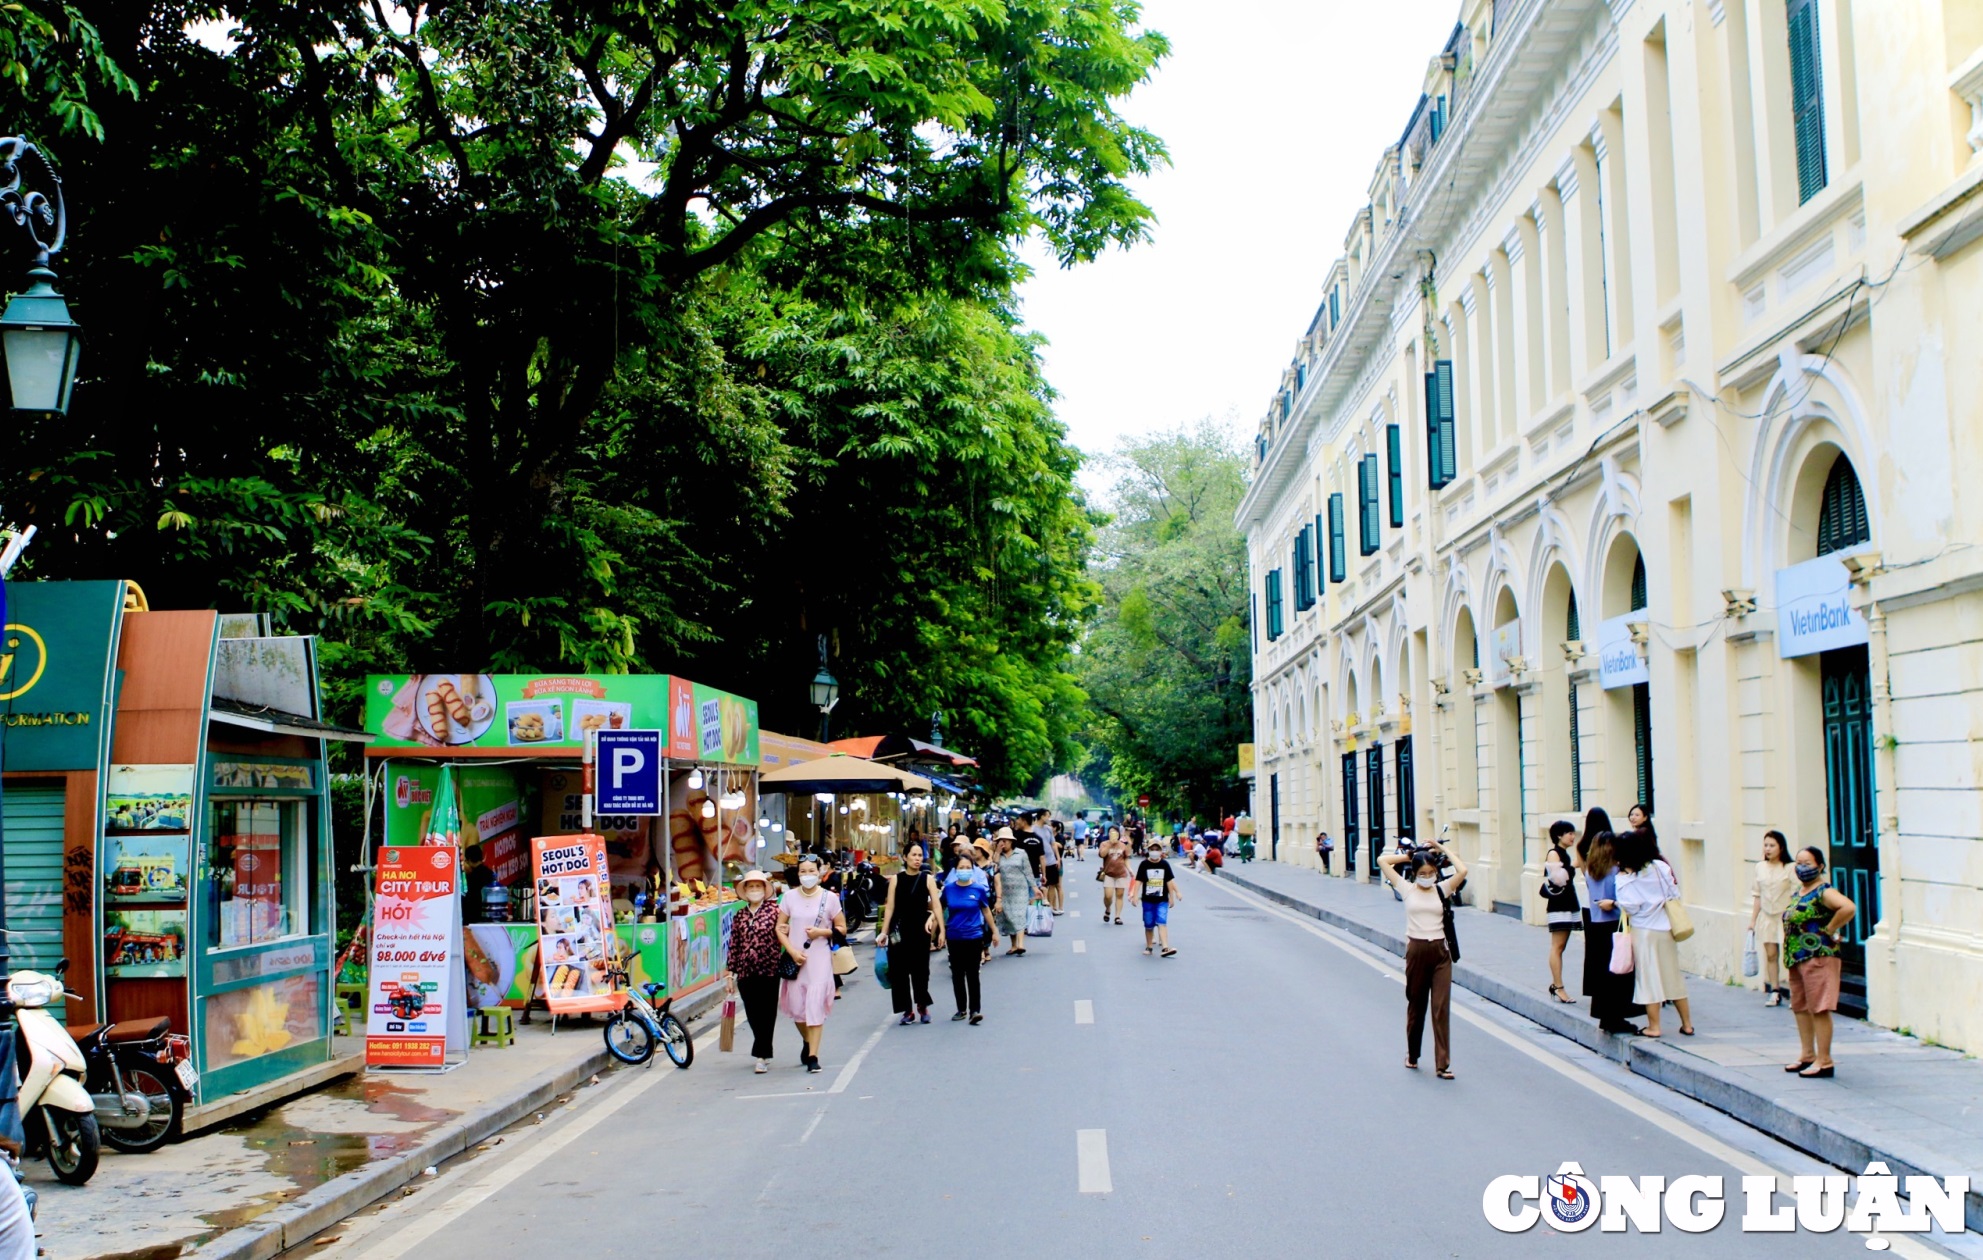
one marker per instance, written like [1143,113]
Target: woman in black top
[1559,891]
[911,928]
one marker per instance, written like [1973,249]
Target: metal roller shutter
[33,820]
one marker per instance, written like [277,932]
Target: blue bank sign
[1814,610]
[1618,660]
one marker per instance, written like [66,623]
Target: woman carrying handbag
[808,917]
[1646,889]
[1607,946]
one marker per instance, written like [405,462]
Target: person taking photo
[1428,961]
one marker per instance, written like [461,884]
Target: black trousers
[760,997]
[909,973]
[966,956]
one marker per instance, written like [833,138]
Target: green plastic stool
[350,1001]
[494,1026]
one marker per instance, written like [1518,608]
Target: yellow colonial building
[1624,460]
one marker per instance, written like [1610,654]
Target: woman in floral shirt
[1817,914]
[753,963]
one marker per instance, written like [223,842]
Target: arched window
[1638,582]
[1842,511]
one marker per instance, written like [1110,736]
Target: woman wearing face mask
[967,924]
[753,963]
[1769,896]
[1428,965]
[910,929]
[1817,914]
[1016,891]
[808,918]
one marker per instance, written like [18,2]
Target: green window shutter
[1273,605]
[1253,618]
[1366,501]
[1441,456]
[1842,510]
[1338,561]
[1807,99]
[1321,555]
[1304,572]
[1638,583]
[1395,448]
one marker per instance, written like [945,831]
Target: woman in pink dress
[808,916]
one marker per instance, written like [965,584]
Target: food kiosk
[509,749]
[168,831]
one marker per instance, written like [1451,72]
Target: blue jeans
[1156,913]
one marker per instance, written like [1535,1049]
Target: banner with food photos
[414,1017]
[574,923]
[488,714]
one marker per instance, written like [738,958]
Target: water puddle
[325,1134]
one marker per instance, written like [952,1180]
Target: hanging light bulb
[695,779]
[709,809]
[763,824]
[824,798]
[843,809]
[778,826]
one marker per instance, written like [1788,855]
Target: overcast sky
[1276,112]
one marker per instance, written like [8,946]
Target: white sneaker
[761,1068]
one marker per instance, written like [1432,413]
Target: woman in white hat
[753,962]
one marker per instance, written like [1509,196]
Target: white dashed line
[1080,947]
[1084,1012]
[1073,914]
[1091,1151]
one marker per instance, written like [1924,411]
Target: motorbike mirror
[61,969]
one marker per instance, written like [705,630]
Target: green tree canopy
[576,333]
[1168,665]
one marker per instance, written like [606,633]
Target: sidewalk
[273,1178]
[1918,1108]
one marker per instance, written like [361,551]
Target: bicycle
[633,1030]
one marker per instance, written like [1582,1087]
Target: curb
[317,1210]
[1683,1073]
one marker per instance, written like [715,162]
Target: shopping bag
[881,965]
[1039,919]
[727,1040]
[1751,965]
[1621,951]
[844,962]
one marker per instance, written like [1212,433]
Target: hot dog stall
[506,750]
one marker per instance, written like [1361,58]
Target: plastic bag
[1039,919]
[881,965]
[1751,965]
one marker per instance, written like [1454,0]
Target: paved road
[1248,1091]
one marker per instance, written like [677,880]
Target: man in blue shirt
[967,922]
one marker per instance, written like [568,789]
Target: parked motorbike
[58,1116]
[866,893]
[140,1079]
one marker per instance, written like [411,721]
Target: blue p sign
[629,773]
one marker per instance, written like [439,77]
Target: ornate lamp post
[41,343]
[825,690]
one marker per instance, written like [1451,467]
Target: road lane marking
[817,1116]
[1091,1153]
[1080,947]
[1705,1143]
[1073,914]
[846,1076]
[479,1190]
[1084,1011]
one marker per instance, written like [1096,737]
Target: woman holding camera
[1428,965]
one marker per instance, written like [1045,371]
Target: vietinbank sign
[1618,660]
[1570,1202]
[1814,611]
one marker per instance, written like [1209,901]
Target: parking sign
[627,770]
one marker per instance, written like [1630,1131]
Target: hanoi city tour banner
[414,1016]
[574,923]
[508,713]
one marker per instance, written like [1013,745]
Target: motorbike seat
[123,1031]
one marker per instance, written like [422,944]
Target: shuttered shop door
[33,819]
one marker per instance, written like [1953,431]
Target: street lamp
[825,690]
[40,341]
